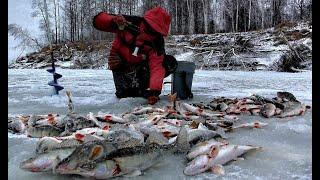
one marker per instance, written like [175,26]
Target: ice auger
[56,76]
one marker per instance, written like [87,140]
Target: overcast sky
[19,12]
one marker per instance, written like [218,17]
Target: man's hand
[120,21]
[153,99]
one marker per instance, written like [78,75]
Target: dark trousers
[131,81]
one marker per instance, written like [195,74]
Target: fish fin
[116,171]
[133,173]
[55,164]
[201,126]
[79,137]
[218,169]
[157,138]
[194,125]
[214,151]
[229,129]
[182,140]
[96,152]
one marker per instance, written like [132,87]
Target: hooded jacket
[125,42]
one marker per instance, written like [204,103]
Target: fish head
[36,164]
[70,125]
[103,170]
[84,154]
[44,143]
[118,135]
[268,110]
[197,165]
[214,151]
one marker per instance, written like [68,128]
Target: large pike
[121,166]
[98,151]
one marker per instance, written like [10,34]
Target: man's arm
[105,22]
[157,73]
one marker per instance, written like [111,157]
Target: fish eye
[87,166]
[45,149]
[110,138]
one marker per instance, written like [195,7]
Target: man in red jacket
[137,57]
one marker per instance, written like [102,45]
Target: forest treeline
[71,20]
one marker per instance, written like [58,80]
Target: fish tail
[182,143]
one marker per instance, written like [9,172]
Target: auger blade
[51,70]
[55,85]
[58,88]
[57,76]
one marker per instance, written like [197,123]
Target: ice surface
[286,142]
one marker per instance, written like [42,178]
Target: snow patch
[21,136]
[184,56]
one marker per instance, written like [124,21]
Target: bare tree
[249,15]
[205,5]
[24,36]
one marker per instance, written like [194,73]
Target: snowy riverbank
[247,51]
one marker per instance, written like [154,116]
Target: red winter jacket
[159,20]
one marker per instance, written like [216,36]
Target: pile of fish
[105,145]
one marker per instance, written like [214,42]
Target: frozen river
[286,142]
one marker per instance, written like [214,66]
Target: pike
[168,130]
[200,111]
[231,117]
[174,122]
[98,151]
[199,134]
[263,100]
[249,125]
[286,96]
[111,118]
[248,107]
[203,148]
[153,135]
[45,161]
[146,110]
[292,109]
[151,120]
[128,166]
[125,138]
[219,157]
[75,122]
[47,144]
